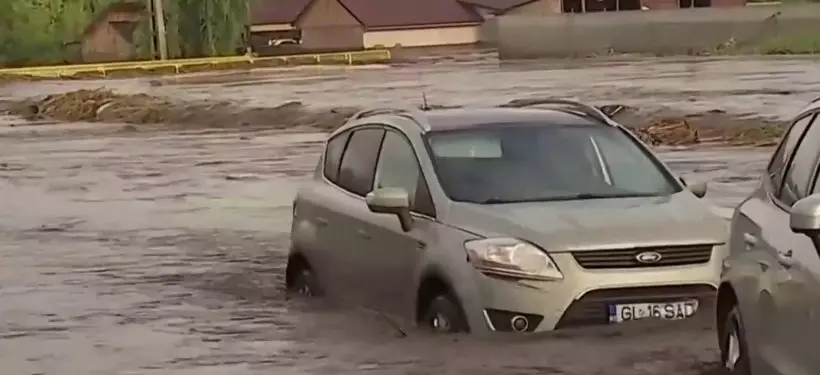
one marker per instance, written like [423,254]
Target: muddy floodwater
[163,252]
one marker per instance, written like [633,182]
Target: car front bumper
[584,296]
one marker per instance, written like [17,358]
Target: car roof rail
[416,115]
[574,105]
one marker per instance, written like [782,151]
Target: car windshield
[532,162]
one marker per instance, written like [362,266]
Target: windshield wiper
[573,197]
[584,196]
[496,200]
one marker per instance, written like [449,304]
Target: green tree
[40,31]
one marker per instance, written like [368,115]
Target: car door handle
[785,258]
[363,234]
[750,240]
[320,221]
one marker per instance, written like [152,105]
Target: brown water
[768,87]
[163,253]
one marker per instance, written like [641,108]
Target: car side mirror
[699,189]
[394,201]
[804,216]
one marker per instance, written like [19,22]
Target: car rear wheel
[444,315]
[733,350]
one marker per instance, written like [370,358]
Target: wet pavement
[163,253]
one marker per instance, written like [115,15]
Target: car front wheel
[733,350]
[444,315]
[303,282]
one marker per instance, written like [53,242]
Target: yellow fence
[184,65]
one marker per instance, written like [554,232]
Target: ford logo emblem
[648,257]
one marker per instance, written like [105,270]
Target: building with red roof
[355,24]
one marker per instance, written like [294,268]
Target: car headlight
[512,257]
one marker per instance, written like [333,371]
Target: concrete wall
[680,31]
[439,36]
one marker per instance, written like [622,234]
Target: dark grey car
[769,299]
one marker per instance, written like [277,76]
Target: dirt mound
[10,78]
[654,127]
[107,106]
[674,128]
[669,132]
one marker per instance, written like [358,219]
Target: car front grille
[628,258]
[592,307]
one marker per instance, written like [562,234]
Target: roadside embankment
[781,29]
[171,67]
[143,113]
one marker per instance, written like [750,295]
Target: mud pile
[669,132]
[11,78]
[654,127]
[673,128]
[107,106]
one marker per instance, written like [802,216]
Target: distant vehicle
[768,312]
[282,42]
[503,219]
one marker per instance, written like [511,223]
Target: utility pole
[159,29]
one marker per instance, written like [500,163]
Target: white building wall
[423,37]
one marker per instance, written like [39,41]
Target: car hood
[588,225]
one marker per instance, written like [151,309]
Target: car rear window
[458,145]
[333,155]
[359,160]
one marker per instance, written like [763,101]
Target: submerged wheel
[444,315]
[733,350]
[302,281]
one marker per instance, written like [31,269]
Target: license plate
[659,310]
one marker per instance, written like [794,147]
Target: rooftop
[265,12]
[373,14]
[498,6]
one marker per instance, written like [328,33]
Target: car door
[810,272]
[779,315]
[355,179]
[393,253]
[318,217]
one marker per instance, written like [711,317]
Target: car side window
[399,167]
[333,155]
[777,165]
[358,164]
[799,174]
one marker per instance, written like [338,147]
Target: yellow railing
[180,65]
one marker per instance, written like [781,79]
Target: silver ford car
[502,219]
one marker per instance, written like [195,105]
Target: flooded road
[774,87]
[163,253]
